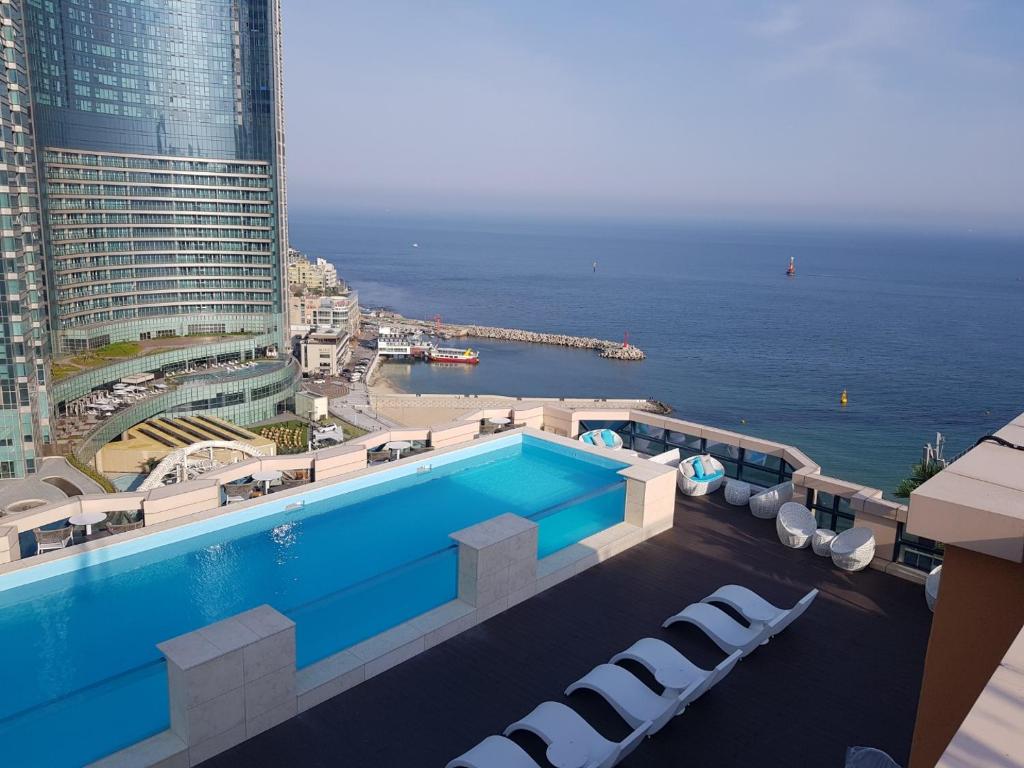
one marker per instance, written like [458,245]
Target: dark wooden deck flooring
[847,673]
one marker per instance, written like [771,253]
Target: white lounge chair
[795,525]
[635,702]
[673,670]
[853,549]
[727,633]
[707,479]
[756,609]
[494,752]
[766,504]
[931,587]
[560,726]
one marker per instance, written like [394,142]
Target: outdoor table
[267,477]
[567,753]
[499,421]
[88,519]
[398,446]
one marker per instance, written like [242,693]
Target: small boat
[452,355]
[791,269]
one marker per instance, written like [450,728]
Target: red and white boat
[452,355]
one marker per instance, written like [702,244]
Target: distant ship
[791,269]
[452,355]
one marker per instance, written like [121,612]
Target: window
[831,511]
[916,552]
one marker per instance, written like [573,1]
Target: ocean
[924,331]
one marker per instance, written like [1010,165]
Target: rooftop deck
[848,672]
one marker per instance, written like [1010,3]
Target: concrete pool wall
[238,677]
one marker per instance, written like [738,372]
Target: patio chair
[239,492]
[755,609]
[931,587]
[795,525]
[766,504]
[637,704]
[669,665]
[494,752]
[724,631]
[378,457]
[49,539]
[853,549]
[556,724]
[700,475]
[128,525]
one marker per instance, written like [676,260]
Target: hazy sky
[854,109]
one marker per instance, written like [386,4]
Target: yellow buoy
[843,399]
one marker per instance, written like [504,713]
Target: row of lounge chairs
[572,740]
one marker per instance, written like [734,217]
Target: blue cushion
[588,438]
[698,468]
[713,476]
[609,437]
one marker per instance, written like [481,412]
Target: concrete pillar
[231,680]
[10,548]
[497,562]
[650,496]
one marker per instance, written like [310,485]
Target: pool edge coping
[48,560]
[344,670]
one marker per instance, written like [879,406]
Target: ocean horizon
[921,329]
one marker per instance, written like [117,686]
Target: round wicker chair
[931,587]
[795,525]
[691,485]
[852,550]
[821,542]
[765,504]
[737,492]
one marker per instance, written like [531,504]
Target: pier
[611,350]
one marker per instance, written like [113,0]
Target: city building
[307,311]
[24,403]
[160,150]
[325,351]
[319,275]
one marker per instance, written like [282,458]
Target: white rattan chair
[766,504]
[692,484]
[795,525]
[737,492]
[852,550]
[931,587]
[821,542]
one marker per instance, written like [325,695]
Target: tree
[919,473]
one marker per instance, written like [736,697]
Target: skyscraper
[160,152]
[24,411]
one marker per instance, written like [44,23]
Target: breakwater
[612,350]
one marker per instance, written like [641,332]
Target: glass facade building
[160,208]
[24,409]
[158,125]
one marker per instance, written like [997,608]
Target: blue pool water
[344,567]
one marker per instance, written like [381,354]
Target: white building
[325,351]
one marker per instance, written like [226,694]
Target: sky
[885,110]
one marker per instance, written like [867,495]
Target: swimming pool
[348,562]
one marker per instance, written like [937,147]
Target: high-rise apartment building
[159,148]
[24,409]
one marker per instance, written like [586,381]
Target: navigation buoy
[843,399]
